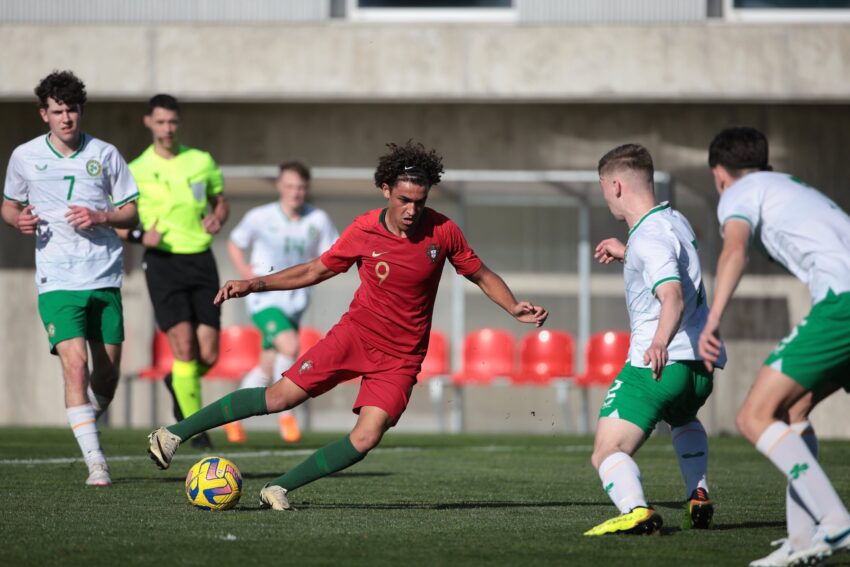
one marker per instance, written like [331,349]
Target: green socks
[329,459]
[248,402]
[186,382]
[232,407]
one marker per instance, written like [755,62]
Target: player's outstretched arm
[730,267]
[19,216]
[609,250]
[497,290]
[296,277]
[672,307]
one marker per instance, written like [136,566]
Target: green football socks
[329,459]
[186,382]
[232,407]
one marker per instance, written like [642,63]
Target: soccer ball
[214,483]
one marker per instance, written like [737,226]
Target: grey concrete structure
[339,61]
[495,96]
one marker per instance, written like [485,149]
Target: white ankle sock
[691,445]
[82,422]
[281,365]
[792,456]
[254,379]
[620,477]
[801,525]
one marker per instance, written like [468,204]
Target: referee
[181,207]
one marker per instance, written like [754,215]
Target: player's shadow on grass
[423,506]
[270,475]
[472,505]
[670,530]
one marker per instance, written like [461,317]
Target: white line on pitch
[305,452]
[192,457]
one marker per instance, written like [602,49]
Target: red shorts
[387,379]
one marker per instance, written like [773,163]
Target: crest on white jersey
[94,168]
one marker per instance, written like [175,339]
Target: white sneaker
[98,475]
[779,557]
[823,545]
[274,497]
[163,445]
[840,541]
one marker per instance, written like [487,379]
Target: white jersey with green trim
[662,247]
[796,225]
[277,242]
[95,177]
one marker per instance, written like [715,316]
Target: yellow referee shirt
[174,193]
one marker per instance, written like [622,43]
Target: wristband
[136,235]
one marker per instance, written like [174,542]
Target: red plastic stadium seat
[161,358]
[436,361]
[238,352]
[487,354]
[606,354]
[307,337]
[545,355]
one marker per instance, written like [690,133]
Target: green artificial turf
[418,499]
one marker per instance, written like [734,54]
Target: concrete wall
[338,61]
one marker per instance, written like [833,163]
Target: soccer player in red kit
[399,251]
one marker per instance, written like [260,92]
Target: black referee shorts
[182,288]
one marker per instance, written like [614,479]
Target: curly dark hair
[61,86]
[410,162]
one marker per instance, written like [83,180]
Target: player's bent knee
[275,399]
[746,423]
[741,423]
[595,461]
[283,395]
[599,455]
[366,440]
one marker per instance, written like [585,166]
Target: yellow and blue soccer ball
[214,483]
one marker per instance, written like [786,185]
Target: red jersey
[399,277]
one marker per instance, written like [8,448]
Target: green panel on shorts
[96,314]
[676,398]
[271,322]
[818,349]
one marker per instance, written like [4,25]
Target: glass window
[434,3]
[432,10]
[793,4]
